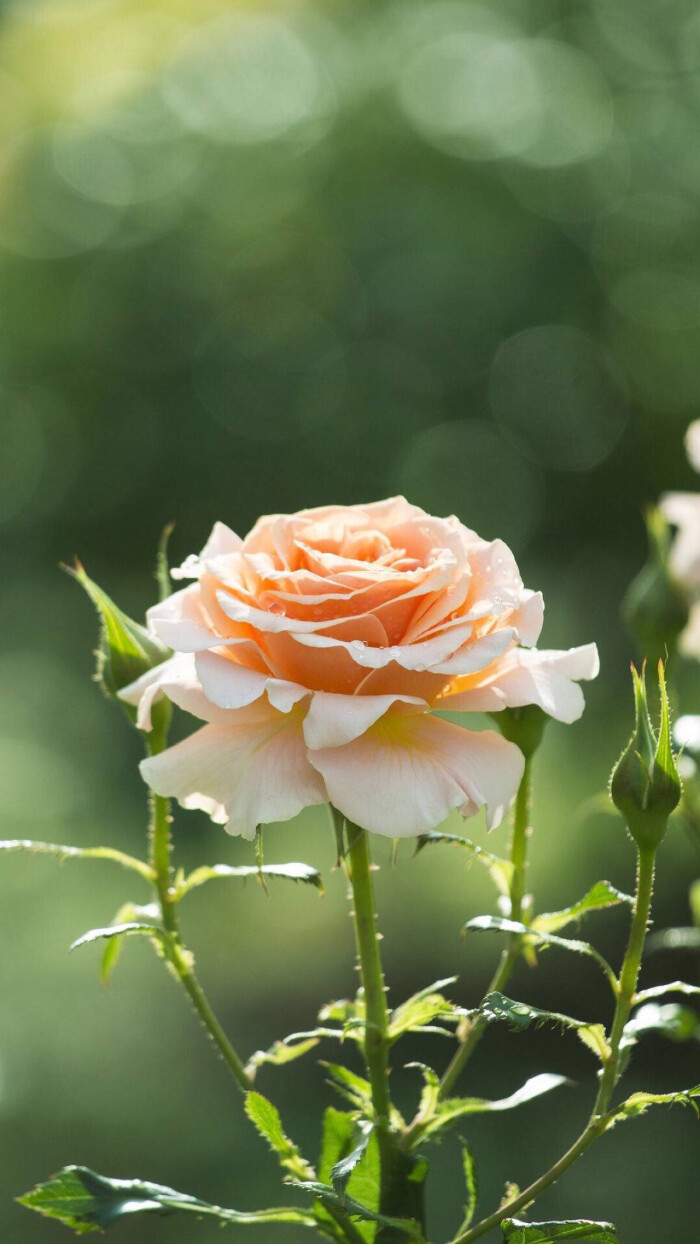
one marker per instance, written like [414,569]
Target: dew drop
[357,645]
[277,609]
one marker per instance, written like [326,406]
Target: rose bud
[655,607]
[125,651]
[645,785]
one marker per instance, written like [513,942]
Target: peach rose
[316,648]
[682,509]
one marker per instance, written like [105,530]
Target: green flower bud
[522,726]
[645,785]
[125,650]
[655,608]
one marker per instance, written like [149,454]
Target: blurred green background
[258,257]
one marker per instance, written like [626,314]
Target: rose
[682,509]
[316,648]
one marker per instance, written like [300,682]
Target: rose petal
[333,720]
[683,510]
[177,679]
[530,676]
[221,541]
[406,774]
[256,770]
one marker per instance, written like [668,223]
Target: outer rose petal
[692,444]
[530,676]
[250,772]
[176,678]
[683,510]
[221,541]
[689,642]
[406,774]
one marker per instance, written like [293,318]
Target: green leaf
[348,1205]
[79,853]
[339,1131]
[600,896]
[453,1108]
[418,1011]
[639,1102]
[658,991]
[694,898]
[212,872]
[430,1095]
[285,1051]
[674,939]
[517,1232]
[165,586]
[496,1007]
[472,1187]
[128,913]
[344,1167]
[265,1117]
[85,1201]
[120,930]
[677,1022]
[497,924]
[501,870]
[126,650]
[356,1089]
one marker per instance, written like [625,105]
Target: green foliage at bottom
[517,1232]
[85,1201]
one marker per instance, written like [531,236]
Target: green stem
[629,975]
[400,1195]
[599,1120]
[376,1045]
[510,956]
[179,958]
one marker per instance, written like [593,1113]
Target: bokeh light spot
[558,395]
[245,78]
[465,467]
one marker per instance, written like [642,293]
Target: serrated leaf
[128,913]
[285,1051]
[266,1119]
[351,1207]
[452,1108]
[600,896]
[79,853]
[639,1102]
[344,1167]
[674,939]
[213,872]
[658,991]
[517,1232]
[420,1010]
[353,1087]
[498,924]
[339,1130]
[500,870]
[471,1185]
[497,1007]
[120,930]
[430,1095]
[672,1020]
[86,1201]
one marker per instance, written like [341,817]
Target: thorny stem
[510,956]
[178,957]
[600,1119]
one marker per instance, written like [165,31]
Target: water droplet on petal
[277,609]
[357,645]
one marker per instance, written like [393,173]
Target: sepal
[125,650]
[645,785]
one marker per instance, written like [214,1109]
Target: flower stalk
[600,1119]
[476,1028]
[180,959]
